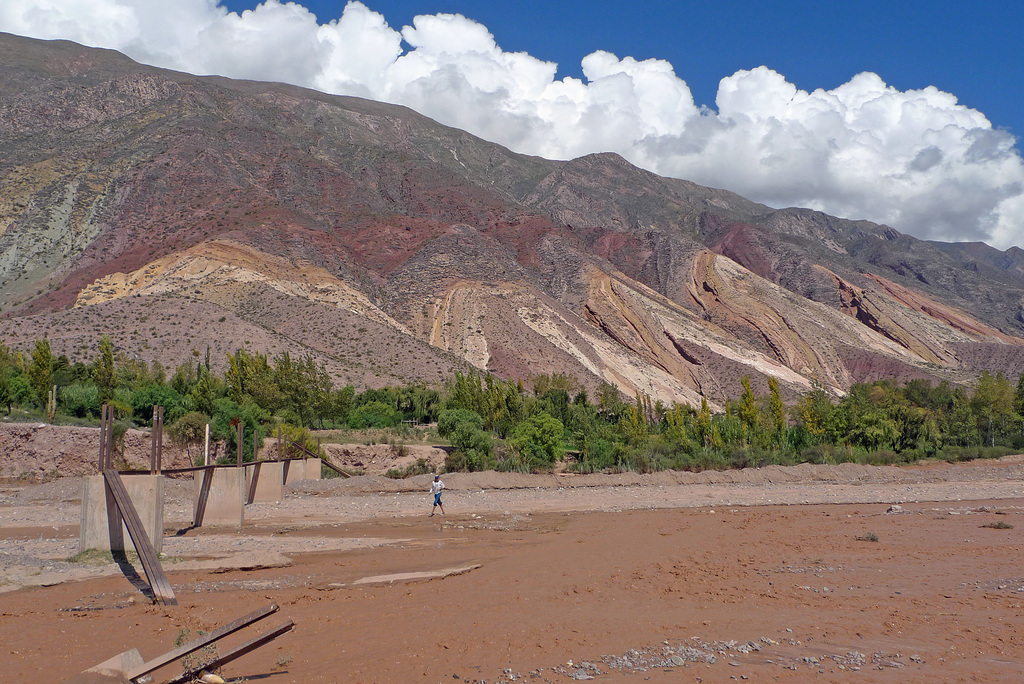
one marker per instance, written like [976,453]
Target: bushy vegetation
[493,423]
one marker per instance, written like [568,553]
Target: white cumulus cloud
[916,160]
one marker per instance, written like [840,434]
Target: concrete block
[313,468]
[147,495]
[270,484]
[301,469]
[225,503]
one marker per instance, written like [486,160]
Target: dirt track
[623,573]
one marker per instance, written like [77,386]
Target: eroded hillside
[177,213]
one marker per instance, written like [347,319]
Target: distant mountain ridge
[394,249]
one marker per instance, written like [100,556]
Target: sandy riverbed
[756,574]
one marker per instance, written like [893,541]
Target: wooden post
[160,442]
[152,443]
[110,438]
[240,431]
[103,439]
[51,403]
[280,451]
[106,437]
[206,449]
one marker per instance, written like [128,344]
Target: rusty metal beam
[236,652]
[204,495]
[125,510]
[206,639]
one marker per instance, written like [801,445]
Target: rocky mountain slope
[177,213]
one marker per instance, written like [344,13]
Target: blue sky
[906,113]
[974,50]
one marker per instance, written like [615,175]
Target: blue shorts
[437,499]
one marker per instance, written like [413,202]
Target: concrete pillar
[226,500]
[270,485]
[301,469]
[147,495]
[313,469]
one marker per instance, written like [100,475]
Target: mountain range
[179,213]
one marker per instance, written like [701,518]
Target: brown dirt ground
[616,574]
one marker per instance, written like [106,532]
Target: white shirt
[436,486]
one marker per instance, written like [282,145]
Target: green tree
[204,392]
[677,433]
[40,371]
[609,401]
[183,379]
[776,412]
[470,444]
[634,426]
[151,395]
[702,426]
[189,433]
[814,413]
[1018,396]
[341,403]
[539,438]
[103,372]
[747,411]
[374,414]
[228,412]
[465,392]
[80,399]
[992,403]
[959,424]
[555,381]
[871,424]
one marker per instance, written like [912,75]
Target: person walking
[435,488]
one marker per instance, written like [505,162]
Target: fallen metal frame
[132,669]
[124,509]
[236,652]
[201,642]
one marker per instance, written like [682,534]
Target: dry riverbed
[767,574]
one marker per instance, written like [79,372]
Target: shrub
[955,453]
[296,434]
[374,414]
[420,467]
[188,432]
[999,525]
[226,412]
[144,399]
[471,446]
[538,438]
[600,454]
[885,457]
[80,400]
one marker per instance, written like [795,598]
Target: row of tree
[492,422]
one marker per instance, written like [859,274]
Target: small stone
[895,508]
[677,660]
